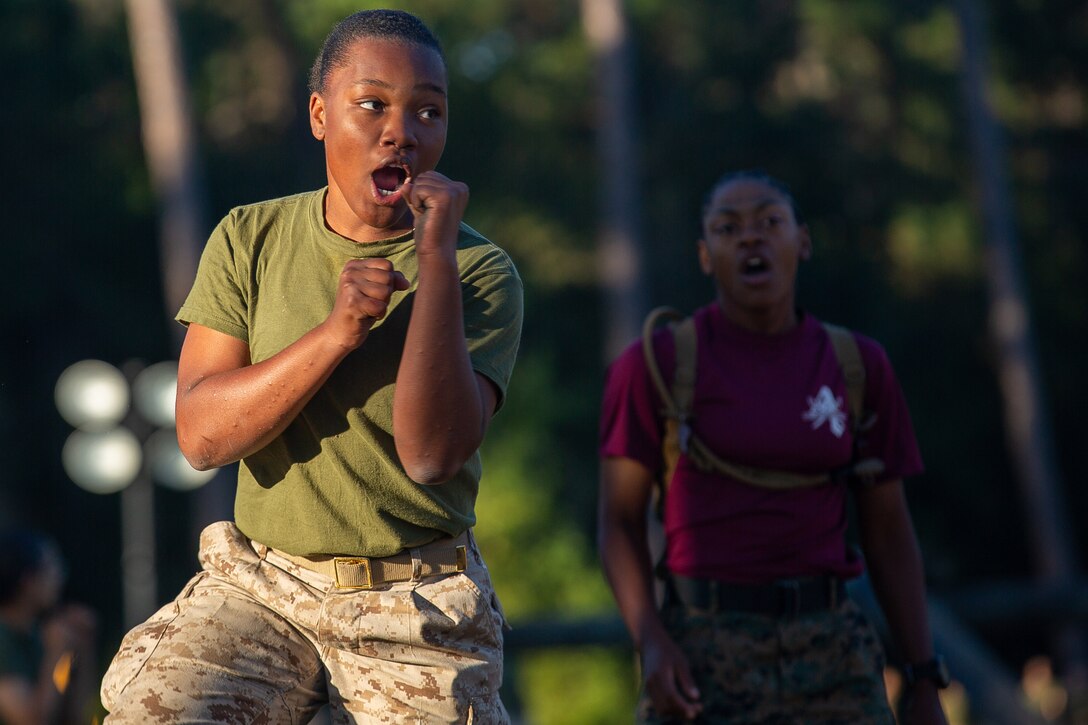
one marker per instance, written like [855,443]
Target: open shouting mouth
[389,181]
[755,268]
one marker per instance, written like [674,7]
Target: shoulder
[873,355]
[633,364]
[270,209]
[876,365]
[246,224]
[478,255]
[628,365]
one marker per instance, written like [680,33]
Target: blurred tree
[1027,419]
[170,146]
[619,254]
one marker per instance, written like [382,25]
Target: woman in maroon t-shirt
[755,626]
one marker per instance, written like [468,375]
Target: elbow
[198,459]
[431,467]
[197,452]
[430,473]
[434,461]
[201,464]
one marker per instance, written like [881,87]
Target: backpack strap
[860,470]
[707,460]
[648,326]
[677,399]
[676,416]
[853,369]
[683,384]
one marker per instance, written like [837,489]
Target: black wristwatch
[935,669]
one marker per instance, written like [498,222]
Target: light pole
[120,446]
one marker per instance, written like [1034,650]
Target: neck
[775,321]
[341,219]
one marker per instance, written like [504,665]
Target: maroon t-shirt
[769,401]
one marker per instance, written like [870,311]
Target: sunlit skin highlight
[385,107]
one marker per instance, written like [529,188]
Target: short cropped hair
[395,25]
[754,175]
[22,554]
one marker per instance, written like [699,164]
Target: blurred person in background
[348,346]
[756,625]
[47,670]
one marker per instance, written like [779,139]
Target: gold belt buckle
[362,561]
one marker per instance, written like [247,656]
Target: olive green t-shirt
[332,483]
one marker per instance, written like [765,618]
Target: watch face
[935,669]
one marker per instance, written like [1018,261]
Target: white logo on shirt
[826,408]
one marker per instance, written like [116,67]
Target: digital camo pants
[822,668]
[255,639]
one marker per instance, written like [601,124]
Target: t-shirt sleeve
[891,437]
[219,298]
[493,311]
[631,424]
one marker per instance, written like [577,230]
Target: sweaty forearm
[438,408]
[229,415]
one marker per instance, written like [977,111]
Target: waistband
[783,598]
[444,556]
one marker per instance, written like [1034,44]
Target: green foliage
[927,242]
[587,686]
[542,561]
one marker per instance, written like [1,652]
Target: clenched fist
[438,203]
[362,298]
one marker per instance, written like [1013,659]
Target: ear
[805,250]
[317,116]
[704,258]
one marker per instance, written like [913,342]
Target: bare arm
[895,567]
[441,406]
[23,703]
[68,642]
[625,490]
[228,408]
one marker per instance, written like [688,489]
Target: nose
[399,131]
[750,231]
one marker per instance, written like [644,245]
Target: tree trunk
[1026,419]
[619,247]
[170,147]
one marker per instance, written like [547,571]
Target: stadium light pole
[124,440]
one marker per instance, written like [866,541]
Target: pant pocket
[139,645]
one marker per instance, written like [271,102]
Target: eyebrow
[759,206]
[433,87]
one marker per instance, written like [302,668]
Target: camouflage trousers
[825,667]
[254,638]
